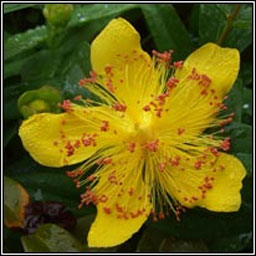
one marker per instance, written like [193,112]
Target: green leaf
[153,241]
[11,240]
[42,65]
[212,20]
[247,161]
[246,72]
[15,7]
[167,29]
[235,100]
[22,42]
[10,130]
[51,238]
[86,13]
[231,244]
[51,183]
[241,137]
[15,200]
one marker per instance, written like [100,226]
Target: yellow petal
[221,65]
[216,186]
[225,195]
[118,38]
[127,204]
[108,230]
[45,136]
[195,102]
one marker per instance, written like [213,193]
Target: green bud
[57,14]
[39,106]
[42,100]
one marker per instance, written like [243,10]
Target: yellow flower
[145,135]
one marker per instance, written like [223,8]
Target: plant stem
[229,24]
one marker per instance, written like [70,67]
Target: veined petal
[118,38]
[221,65]
[215,186]
[123,202]
[206,77]
[116,55]
[57,140]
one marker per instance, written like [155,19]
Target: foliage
[39,53]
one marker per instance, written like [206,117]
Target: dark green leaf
[235,100]
[51,183]
[15,7]
[247,161]
[167,29]
[85,13]
[231,244]
[246,72]
[15,199]
[19,43]
[10,129]
[51,238]
[241,137]
[11,240]
[212,20]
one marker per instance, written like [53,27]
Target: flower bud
[57,14]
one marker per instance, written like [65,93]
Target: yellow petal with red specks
[123,201]
[215,186]
[48,138]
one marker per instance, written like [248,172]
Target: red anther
[107,160]
[155,219]
[110,85]
[92,177]
[226,121]
[204,92]
[91,79]
[107,210]
[66,105]
[89,140]
[166,56]
[78,97]
[112,179]
[194,198]
[119,208]
[175,161]
[105,126]
[161,216]
[172,82]
[119,107]
[162,166]
[198,164]
[146,108]
[70,149]
[225,144]
[207,185]
[108,70]
[214,151]
[180,131]
[153,145]
[131,191]
[132,147]
[159,112]
[205,81]
[225,98]
[77,184]
[125,216]
[178,64]
[77,144]
[103,198]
